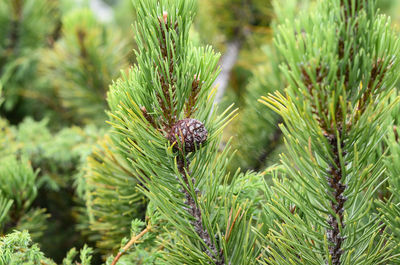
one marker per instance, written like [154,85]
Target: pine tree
[81,65]
[162,112]
[161,186]
[340,64]
[109,191]
[26,26]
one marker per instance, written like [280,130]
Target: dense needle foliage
[126,156]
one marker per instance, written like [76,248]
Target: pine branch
[194,210]
[334,173]
[336,221]
[133,240]
[167,106]
[166,128]
[109,178]
[332,121]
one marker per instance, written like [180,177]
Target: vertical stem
[14,27]
[336,221]
[13,34]
[334,172]
[194,210]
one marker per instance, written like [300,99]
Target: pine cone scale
[190,133]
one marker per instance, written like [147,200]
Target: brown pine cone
[191,131]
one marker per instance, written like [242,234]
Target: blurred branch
[233,47]
[130,243]
[227,62]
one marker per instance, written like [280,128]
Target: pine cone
[191,131]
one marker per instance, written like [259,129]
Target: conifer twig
[193,209]
[334,171]
[334,181]
[133,240]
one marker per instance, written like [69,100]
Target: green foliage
[1,94]
[18,181]
[57,159]
[125,16]
[391,208]
[6,136]
[85,256]
[230,17]
[5,205]
[147,249]
[173,81]
[256,129]
[244,25]
[111,197]
[17,249]
[336,110]
[163,186]
[81,65]
[26,25]
[18,190]
[57,155]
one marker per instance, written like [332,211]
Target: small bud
[165,17]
